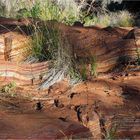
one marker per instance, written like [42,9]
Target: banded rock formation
[107,45]
[94,104]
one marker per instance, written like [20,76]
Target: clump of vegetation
[84,73]
[43,11]
[9,87]
[64,11]
[68,12]
[44,42]
[74,75]
[125,19]
[111,132]
[117,19]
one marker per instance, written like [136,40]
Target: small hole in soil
[57,103]
[72,95]
[129,94]
[39,106]
[63,119]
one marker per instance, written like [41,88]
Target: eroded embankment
[89,46]
[89,109]
[93,108]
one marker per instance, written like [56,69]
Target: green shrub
[121,19]
[84,73]
[66,11]
[74,75]
[44,42]
[44,10]
[9,87]
[111,132]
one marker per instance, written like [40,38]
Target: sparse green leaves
[44,42]
[84,73]
[9,87]
[114,19]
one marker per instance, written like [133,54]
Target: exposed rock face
[86,44]
[88,109]
[99,105]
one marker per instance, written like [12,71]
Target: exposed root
[53,77]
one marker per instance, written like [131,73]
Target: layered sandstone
[86,110]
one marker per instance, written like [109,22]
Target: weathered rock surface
[107,45]
[89,109]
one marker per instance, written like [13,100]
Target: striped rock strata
[92,104]
[107,45]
